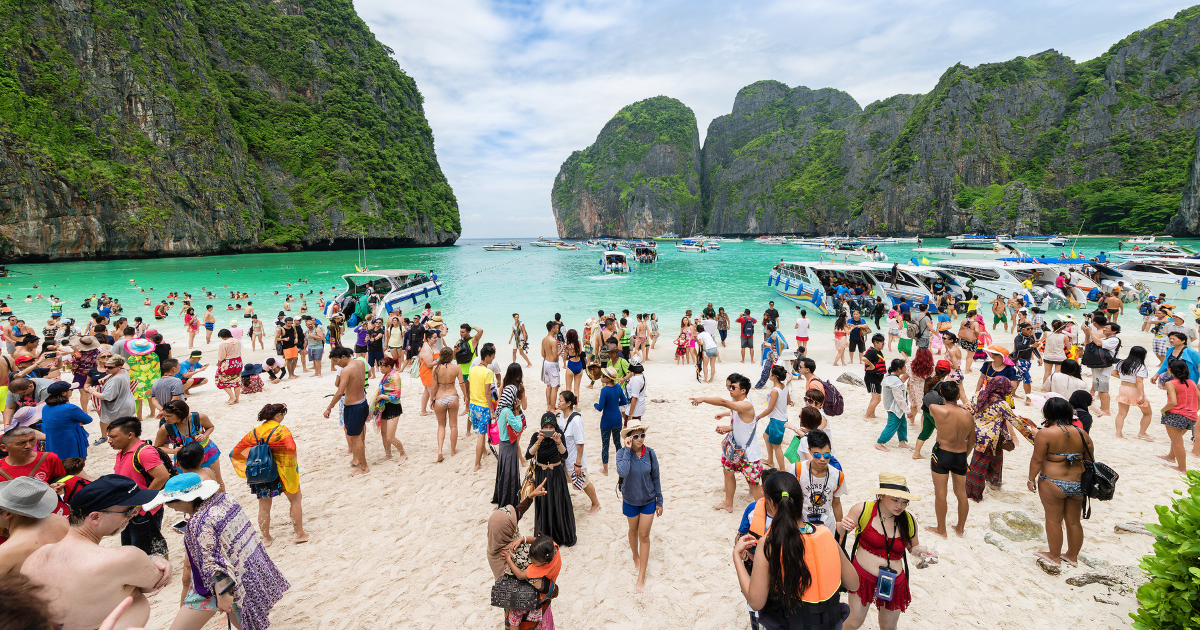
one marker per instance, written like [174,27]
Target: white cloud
[512,87]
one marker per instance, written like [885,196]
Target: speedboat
[1156,251]
[975,250]
[614,262]
[642,243]
[1179,279]
[991,278]
[1144,240]
[503,247]
[1057,240]
[848,252]
[396,286]
[713,244]
[545,242]
[771,240]
[692,245]
[645,254]
[730,240]
[811,285]
[914,283]
[567,247]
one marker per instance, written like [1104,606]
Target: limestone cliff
[640,178]
[136,128]
[1038,144]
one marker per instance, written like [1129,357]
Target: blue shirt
[104,311]
[1189,356]
[609,406]
[65,435]
[642,485]
[1102,258]
[187,366]
[1009,372]
[842,290]
[744,528]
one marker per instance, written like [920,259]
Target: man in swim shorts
[550,372]
[351,387]
[999,312]
[955,438]
[210,322]
[482,386]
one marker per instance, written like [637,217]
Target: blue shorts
[209,325]
[355,417]
[1023,368]
[480,417]
[631,511]
[775,431]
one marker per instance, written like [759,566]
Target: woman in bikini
[884,532]
[182,426]
[1055,473]
[446,378]
[839,339]
[574,355]
[256,333]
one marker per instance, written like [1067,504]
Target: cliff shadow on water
[1035,145]
[131,128]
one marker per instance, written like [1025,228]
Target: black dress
[554,515]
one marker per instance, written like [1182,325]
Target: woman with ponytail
[798,567]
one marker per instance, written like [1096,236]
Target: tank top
[1185,400]
[779,411]
[746,436]
[1056,347]
[397,338]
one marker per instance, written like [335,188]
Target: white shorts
[550,373]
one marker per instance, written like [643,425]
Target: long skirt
[984,467]
[554,515]
[508,475]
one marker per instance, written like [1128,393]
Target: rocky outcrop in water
[143,129]
[640,178]
[1038,144]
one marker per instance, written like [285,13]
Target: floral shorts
[480,417]
[196,601]
[751,470]
[1023,369]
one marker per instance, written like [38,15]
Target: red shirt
[51,468]
[148,459]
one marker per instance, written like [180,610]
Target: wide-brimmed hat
[633,427]
[185,487]
[610,372]
[28,497]
[591,321]
[252,369]
[893,485]
[83,344]
[788,355]
[139,347]
[1000,350]
[1066,317]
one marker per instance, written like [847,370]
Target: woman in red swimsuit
[885,531]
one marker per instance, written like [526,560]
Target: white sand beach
[404,547]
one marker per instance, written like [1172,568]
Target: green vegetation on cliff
[224,103]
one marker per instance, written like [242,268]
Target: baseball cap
[109,491]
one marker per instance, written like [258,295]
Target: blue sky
[512,87]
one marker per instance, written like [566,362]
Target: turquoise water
[481,288]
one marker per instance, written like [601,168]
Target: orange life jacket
[824,562]
[758,519]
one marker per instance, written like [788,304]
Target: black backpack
[748,328]
[462,352]
[1097,356]
[166,461]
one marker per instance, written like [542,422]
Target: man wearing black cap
[89,580]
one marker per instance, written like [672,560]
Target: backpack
[462,352]
[747,328]
[653,460]
[864,521]
[1145,308]
[915,329]
[1097,356]
[166,462]
[260,463]
[70,491]
[834,405]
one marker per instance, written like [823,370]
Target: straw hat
[83,344]
[633,427]
[890,484]
[610,372]
[185,487]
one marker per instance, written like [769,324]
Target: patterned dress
[220,539]
[144,370]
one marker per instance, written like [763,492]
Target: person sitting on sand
[287,482]
[741,451]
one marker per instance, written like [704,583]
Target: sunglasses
[810,400]
[822,455]
[129,511]
[637,436]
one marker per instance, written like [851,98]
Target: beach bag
[1096,356]
[793,450]
[834,405]
[166,462]
[260,463]
[733,452]
[415,370]
[529,484]
[1099,481]
[510,593]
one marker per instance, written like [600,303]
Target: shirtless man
[550,369]
[968,339]
[948,461]
[210,322]
[350,386]
[1015,304]
[999,313]
[1114,305]
[641,337]
[26,511]
[85,581]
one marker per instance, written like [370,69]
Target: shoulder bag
[1099,481]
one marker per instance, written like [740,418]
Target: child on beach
[681,346]
[542,564]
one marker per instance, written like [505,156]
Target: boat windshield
[975,273]
[358,285]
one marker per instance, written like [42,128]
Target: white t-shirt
[895,395]
[572,437]
[819,492]
[828,431]
[802,324]
[1131,378]
[746,436]
[710,325]
[636,388]
[708,340]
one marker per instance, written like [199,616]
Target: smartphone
[547,432]
[51,355]
[180,526]
[886,585]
